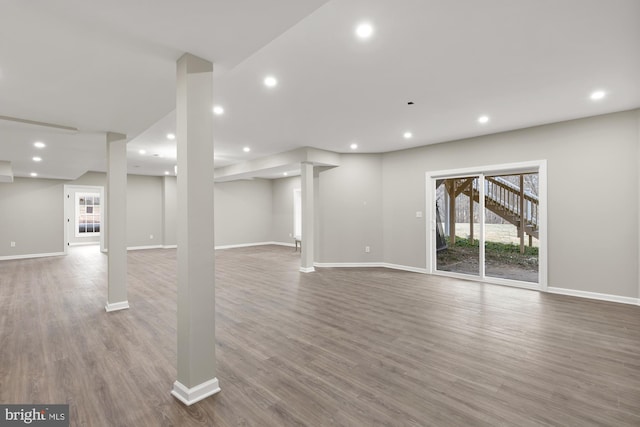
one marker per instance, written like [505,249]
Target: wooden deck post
[471,216]
[522,218]
[451,186]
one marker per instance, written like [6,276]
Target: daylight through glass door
[457,230]
[488,226]
[512,226]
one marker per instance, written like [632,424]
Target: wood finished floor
[356,347]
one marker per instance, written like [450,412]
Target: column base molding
[115,306]
[189,396]
[307,269]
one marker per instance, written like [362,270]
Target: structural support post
[308,233]
[116,223]
[196,269]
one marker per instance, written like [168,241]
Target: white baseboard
[247,245]
[83,243]
[169,246]
[369,265]
[307,270]
[290,245]
[404,268]
[189,396]
[141,248]
[27,256]
[115,306]
[594,295]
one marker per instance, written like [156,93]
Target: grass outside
[495,253]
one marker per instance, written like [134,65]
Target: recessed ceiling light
[171,136]
[246,149]
[142,151]
[39,144]
[483,119]
[33,174]
[364,30]
[597,95]
[36,159]
[166,172]
[270,81]
[218,110]
[407,135]
[353,146]
[285,173]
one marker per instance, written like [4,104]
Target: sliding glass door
[511,226]
[488,225]
[456,213]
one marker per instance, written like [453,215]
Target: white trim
[477,170]
[289,245]
[169,246]
[405,268]
[370,265]
[189,396]
[84,244]
[307,269]
[594,295]
[27,256]
[115,306]
[431,176]
[103,217]
[488,280]
[140,248]
[247,245]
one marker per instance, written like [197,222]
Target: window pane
[457,244]
[511,227]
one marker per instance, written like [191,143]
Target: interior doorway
[488,224]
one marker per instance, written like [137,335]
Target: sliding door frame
[537,166]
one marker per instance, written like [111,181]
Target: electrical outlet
[13,244]
[367,249]
[151,236]
[419,214]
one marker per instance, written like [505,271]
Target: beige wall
[592,165]
[349,210]
[282,209]
[242,212]
[31,214]
[371,200]
[144,211]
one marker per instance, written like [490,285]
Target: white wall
[592,166]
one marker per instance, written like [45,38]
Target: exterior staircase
[505,200]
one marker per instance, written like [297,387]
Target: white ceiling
[102,66]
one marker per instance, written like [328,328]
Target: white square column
[196,250]
[308,233]
[116,222]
